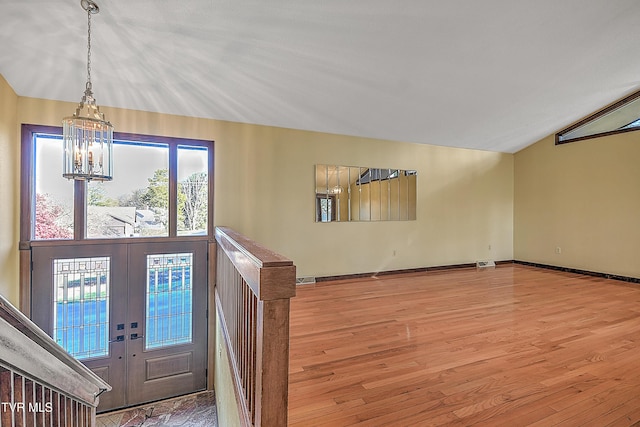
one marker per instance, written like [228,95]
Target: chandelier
[87,136]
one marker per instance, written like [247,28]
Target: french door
[135,313]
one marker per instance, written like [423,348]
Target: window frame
[595,116]
[27,187]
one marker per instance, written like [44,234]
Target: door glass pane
[169,305]
[136,202]
[193,181]
[81,306]
[54,194]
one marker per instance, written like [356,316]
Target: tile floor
[194,410]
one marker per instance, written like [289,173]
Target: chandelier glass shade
[87,135]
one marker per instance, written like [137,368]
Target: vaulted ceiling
[493,74]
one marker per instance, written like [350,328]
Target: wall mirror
[355,193]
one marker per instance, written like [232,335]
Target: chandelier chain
[89,48]
[87,135]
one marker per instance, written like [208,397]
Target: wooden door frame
[27,217]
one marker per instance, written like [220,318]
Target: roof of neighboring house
[113,215]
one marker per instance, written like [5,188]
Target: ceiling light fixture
[87,136]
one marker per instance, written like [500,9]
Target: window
[193,190]
[136,202]
[325,208]
[372,174]
[53,204]
[161,188]
[623,116]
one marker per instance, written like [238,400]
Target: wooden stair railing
[40,383]
[253,289]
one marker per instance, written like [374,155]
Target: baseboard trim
[579,271]
[403,271]
[473,265]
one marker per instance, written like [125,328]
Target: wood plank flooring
[510,346]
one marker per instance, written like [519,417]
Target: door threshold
[195,409]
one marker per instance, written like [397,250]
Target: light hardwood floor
[512,346]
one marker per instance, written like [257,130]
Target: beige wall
[465,197]
[9,196]
[584,198]
[465,201]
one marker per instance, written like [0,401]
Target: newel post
[272,383]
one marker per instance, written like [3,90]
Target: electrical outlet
[558,250]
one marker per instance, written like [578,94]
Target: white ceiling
[489,74]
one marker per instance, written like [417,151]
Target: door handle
[136,337]
[118,339]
